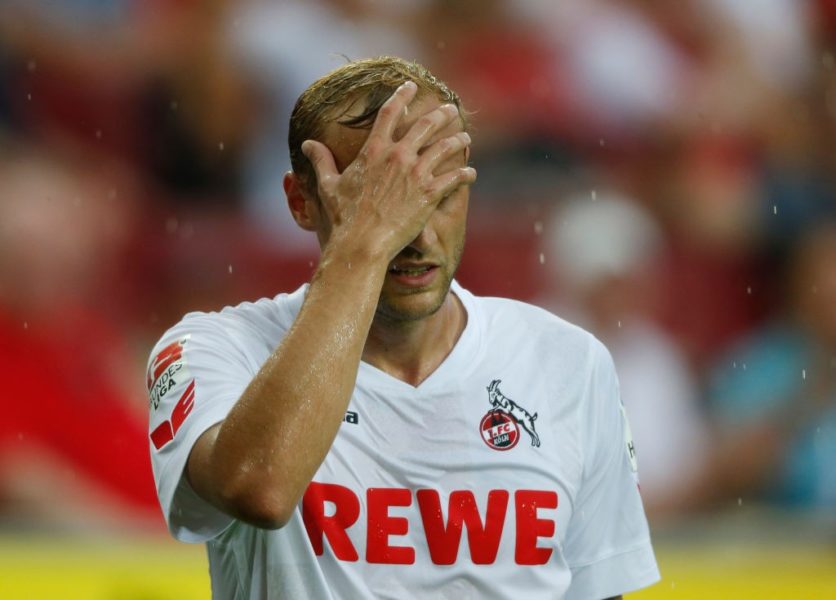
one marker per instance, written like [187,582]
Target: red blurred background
[661,173]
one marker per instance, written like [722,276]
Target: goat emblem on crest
[505,414]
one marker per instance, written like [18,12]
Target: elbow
[258,505]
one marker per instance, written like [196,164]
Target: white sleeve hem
[615,575]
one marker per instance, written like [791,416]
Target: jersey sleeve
[195,375]
[607,544]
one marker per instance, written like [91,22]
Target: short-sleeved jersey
[507,473]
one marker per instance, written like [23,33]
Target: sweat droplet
[230,269]
[538,227]
[803,373]
[774,209]
[542,258]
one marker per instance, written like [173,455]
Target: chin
[411,307]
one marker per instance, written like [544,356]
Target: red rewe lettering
[166,431]
[483,540]
[529,527]
[381,526]
[347,510]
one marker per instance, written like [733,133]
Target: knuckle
[373,148]
[450,144]
[400,155]
[417,172]
[429,120]
[388,109]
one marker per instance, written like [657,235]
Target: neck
[412,350]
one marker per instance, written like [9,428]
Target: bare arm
[256,464]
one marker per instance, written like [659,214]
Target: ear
[303,207]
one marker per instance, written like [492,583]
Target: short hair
[374,79]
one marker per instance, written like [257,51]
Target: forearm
[278,433]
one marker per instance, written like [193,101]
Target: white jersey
[507,473]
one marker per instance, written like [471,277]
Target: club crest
[500,427]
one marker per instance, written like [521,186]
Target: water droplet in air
[538,227]
[230,269]
[26,324]
[32,66]
[804,374]
[28,96]
[749,289]
[98,134]
[740,501]
[619,324]
[601,142]
[594,195]
[542,258]
[221,146]
[774,209]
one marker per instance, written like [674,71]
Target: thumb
[321,159]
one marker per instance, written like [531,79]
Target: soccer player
[381,432]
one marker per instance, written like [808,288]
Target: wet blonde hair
[330,97]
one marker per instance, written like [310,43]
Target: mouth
[411,270]
[413,275]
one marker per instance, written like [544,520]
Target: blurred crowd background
[662,173]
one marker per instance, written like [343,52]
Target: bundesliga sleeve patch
[167,371]
[167,374]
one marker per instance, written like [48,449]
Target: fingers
[321,159]
[431,123]
[444,149]
[447,182]
[392,111]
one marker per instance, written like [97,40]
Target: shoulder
[253,323]
[536,326]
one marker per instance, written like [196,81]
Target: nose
[424,241]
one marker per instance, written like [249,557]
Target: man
[381,432]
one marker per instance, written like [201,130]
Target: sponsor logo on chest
[331,511]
